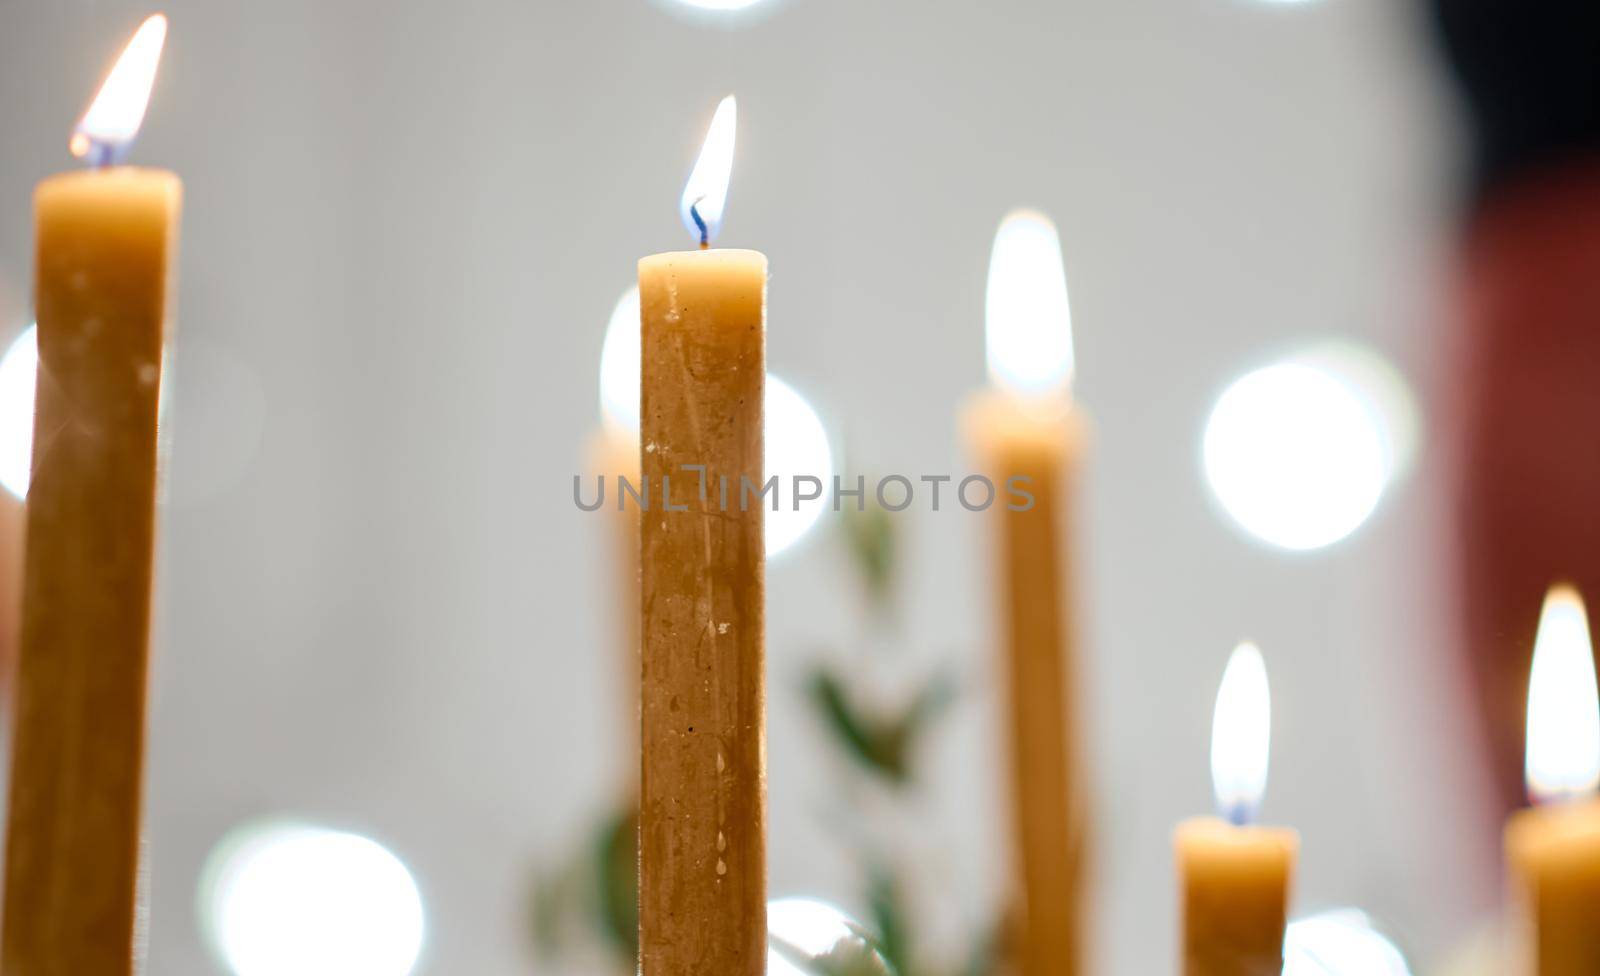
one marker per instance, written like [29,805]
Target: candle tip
[1241,735]
[705,195]
[1028,320]
[111,123]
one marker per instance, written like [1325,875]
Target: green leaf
[883,744]
[863,742]
[870,533]
[891,918]
[616,864]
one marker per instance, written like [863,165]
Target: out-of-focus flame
[113,118]
[1241,735]
[1563,759]
[1028,326]
[706,194]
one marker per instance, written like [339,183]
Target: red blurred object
[1528,483]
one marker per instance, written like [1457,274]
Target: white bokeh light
[19,374]
[1342,942]
[797,442]
[292,900]
[619,366]
[721,5]
[1299,452]
[804,929]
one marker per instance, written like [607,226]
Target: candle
[105,239]
[702,865]
[1553,850]
[1030,438]
[1236,876]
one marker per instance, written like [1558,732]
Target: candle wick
[1238,814]
[699,221]
[100,154]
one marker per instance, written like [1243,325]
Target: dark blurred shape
[1525,398]
[1530,70]
[1528,399]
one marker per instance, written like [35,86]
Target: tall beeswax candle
[703,866]
[105,242]
[1030,439]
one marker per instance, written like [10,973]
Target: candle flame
[1028,319]
[706,193]
[1241,735]
[1563,759]
[112,121]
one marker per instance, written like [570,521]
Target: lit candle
[1553,850]
[1236,876]
[1030,439]
[105,241]
[702,865]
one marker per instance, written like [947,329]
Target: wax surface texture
[105,243]
[1042,441]
[1554,858]
[1235,891]
[703,873]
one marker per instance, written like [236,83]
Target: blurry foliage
[880,743]
[594,898]
[883,745]
[892,919]
[870,534]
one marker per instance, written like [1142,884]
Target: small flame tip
[706,192]
[112,120]
[1563,722]
[1027,213]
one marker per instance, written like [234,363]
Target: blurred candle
[703,873]
[1028,436]
[1235,876]
[1553,849]
[614,456]
[105,241]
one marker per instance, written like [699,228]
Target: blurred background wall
[406,226]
